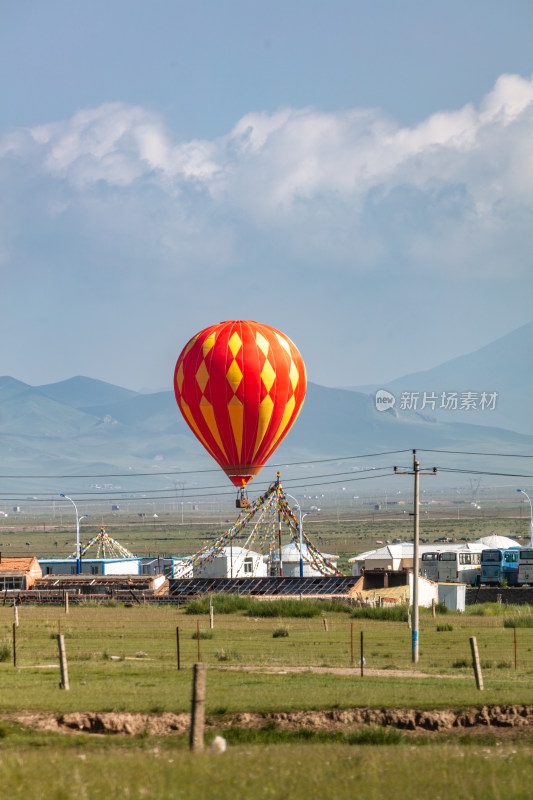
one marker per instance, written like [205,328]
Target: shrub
[226,655]
[5,652]
[203,635]
[279,633]
[445,627]
[386,613]
[521,621]
[459,663]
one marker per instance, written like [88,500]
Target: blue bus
[500,565]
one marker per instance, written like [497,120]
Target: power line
[473,453]
[182,473]
[197,495]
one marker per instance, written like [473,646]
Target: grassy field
[162,769]
[124,659]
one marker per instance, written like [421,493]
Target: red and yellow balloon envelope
[240,386]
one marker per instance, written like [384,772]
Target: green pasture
[74,767]
[126,659]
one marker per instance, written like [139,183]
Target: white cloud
[352,186]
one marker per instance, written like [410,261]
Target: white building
[290,555]
[233,562]
[400,556]
[90,566]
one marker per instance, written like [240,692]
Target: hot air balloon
[240,386]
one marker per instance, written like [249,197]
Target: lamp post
[301,532]
[78,549]
[531,521]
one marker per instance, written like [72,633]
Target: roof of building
[16,564]
[291,552]
[495,542]
[405,549]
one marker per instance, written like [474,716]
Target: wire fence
[162,637]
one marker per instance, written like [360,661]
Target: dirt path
[516,719]
[354,671]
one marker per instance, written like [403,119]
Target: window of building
[248,566]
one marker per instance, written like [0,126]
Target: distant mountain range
[503,367]
[84,427]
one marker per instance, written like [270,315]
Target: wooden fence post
[14,645]
[433,609]
[16,613]
[196,741]
[351,642]
[63,662]
[325,625]
[515,662]
[198,637]
[66,603]
[178,645]
[476,664]
[362,656]
[211,613]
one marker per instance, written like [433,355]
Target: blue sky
[358,175]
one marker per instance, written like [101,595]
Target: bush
[459,663]
[279,633]
[445,627]
[521,621]
[203,635]
[385,613]
[5,652]
[226,655]
[284,607]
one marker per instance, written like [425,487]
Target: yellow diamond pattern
[284,343]
[262,343]
[268,376]
[293,375]
[235,343]
[179,376]
[234,375]
[202,376]
[208,343]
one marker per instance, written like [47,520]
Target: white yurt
[290,554]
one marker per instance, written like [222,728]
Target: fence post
[325,625]
[178,645]
[16,613]
[66,603]
[63,662]
[433,609]
[476,664]
[198,637]
[14,645]
[515,647]
[211,613]
[351,642]
[196,741]
[362,656]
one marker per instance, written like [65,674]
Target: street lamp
[302,517]
[531,523]
[78,549]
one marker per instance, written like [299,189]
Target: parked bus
[525,566]
[460,566]
[429,566]
[500,565]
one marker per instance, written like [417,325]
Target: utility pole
[416,546]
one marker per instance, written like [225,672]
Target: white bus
[429,566]
[525,566]
[460,566]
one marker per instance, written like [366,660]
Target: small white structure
[290,555]
[232,562]
[90,566]
[453,595]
